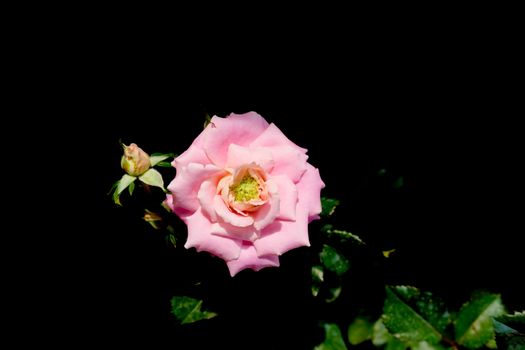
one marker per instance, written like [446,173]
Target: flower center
[247,189]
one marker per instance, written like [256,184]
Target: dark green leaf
[474,323]
[171,240]
[207,120]
[334,261]
[333,293]
[359,331]
[333,338]
[398,183]
[188,310]
[510,332]
[328,206]
[404,321]
[165,164]
[342,235]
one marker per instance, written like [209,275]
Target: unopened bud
[135,161]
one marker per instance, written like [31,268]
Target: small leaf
[380,336]
[474,323]
[207,120]
[317,273]
[381,172]
[333,294]
[165,164]
[152,177]
[328,206]
[387,253]
[404,321]
[508,337]
[120,186]
[427,346]
[131,188]
[155,158]
[171,240]
[333,338]
[342,235]
[334,261]
[398,183]
[359,331]
[188,310]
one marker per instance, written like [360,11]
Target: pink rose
[246,192]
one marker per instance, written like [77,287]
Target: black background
[433,114]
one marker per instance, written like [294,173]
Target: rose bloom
[245,192]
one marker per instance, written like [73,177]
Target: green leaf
[334,261]
[328,206]
[165,164]
[342,235]
[359,331]
[380,335]
[120,186]
[427,346]
[171,240]
[188,310]
[508,337]
[152,177]
[474,323]
[155,159]
[405,321]
[398,183]
[131,188]
[333,338]
[333,293]
[317,279]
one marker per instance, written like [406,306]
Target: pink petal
[228,216]
[269,211]
[206,194]
[240,129]
[195,153]
[288,161]
[273,137]
[287,196]
[281,236]
[187,183]
[238,156]
[243,233]
[191,155]
[309,189]
[200,237]
[248,259]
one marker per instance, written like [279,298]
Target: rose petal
[268,212]
[288,161]
[273,137]
[200,237]
[281,236]
[186,184]
[240,129]
[228,216]
[248,259]
[248,233]
[309,189]
[206,194]
[238,156]
[195,153]
[288,197]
